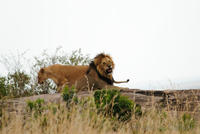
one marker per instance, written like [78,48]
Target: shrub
[17,80]
[113,104]
[3,87]
[15,85]
[69,95]
[37,107]
[18,83]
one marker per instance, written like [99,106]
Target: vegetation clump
[69,96]
[3,87]
[108,102]
[37,107]
[113,104]
[15,85]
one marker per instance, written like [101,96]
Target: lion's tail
[118,82]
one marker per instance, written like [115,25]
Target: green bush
[37,107]
[3,87]
[112,103]
[15,85]
[69,95]
[18,84]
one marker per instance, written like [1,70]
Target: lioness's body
[62,74]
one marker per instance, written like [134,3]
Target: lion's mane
[98,65]
[98,75]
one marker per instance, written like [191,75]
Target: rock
[177,100]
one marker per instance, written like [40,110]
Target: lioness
[62,74]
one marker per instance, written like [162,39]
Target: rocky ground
[178,100]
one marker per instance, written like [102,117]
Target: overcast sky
[154,43]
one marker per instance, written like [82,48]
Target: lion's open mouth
[109,70]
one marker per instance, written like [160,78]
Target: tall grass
[84,117]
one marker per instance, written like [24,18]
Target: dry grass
[84,118]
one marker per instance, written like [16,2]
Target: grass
[84,117]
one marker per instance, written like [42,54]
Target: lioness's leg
[59,89]
[62,84]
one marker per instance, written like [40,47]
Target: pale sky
[154,43]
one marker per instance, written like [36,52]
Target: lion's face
[42,76]
[104,64]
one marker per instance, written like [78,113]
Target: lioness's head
[104,65]
[42,76]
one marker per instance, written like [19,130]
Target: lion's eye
[104,63]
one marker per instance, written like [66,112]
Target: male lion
[99,74]
[62,74]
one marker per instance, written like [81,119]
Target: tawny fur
[97,76]
[62,74]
